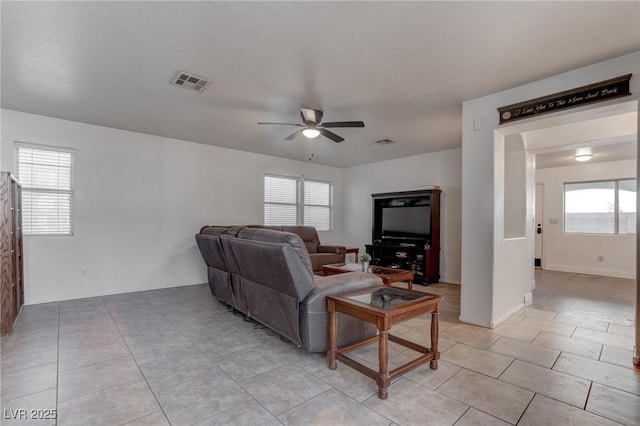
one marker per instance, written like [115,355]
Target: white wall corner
[474,321]
[507,315]
[528,298]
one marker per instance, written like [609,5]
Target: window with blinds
[280,200]
[295,201]
[317,205]
[46,175]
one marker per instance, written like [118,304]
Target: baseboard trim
[473,321]
[591,271]
[503,318]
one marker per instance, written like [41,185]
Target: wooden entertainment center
[406,233]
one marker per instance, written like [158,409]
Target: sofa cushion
[308,234]
[268,235]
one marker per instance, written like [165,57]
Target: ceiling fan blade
[292,136]
[331,135]
[343,124]
[283,124]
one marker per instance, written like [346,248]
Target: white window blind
[317,204]
[603,207]
[46,175]
[283,205]
[280,200]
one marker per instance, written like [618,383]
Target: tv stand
[423,262]
[417,253]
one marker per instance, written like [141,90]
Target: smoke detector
[190,81]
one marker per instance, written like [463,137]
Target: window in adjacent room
[603,207]
[46,175]
[297,201]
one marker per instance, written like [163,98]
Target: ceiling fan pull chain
[310,151]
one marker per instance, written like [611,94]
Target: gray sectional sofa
[267,275]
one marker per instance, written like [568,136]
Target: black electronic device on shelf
[406,233]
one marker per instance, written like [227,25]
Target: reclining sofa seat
[218,274]
[320,254]
[271,280]
[271,275]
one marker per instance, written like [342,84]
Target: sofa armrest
[314,319]
[332,249]
[315,301]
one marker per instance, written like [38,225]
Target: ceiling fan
[312,125]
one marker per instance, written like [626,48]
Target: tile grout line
[134,359]
[601,351]
[462,415]
[527,407]
[586,401]
[203,354]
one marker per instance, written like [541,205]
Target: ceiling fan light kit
[311,132]
[583,157]
[312,125]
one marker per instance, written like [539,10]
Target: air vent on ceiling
[384,142]
[190,81]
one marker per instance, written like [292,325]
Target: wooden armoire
[11,262]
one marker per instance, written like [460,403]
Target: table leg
[383,358]
[333,340]
[434,335]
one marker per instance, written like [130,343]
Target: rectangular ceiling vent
[384,142]
[190,81]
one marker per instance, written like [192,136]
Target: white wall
[481,264]
[407,174]
[514,182]
[515,188]
[579,252]
[140,199]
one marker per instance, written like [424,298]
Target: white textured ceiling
[402,68]
[609,138]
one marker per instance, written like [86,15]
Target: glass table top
[386,297]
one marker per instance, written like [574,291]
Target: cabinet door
[17,238]
[7,280]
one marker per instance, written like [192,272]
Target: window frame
[26,189]
[616,207]
[265,202]
[300,198]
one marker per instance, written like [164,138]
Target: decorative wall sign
[596,92]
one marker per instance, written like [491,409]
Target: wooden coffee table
[384,307]
[388,275]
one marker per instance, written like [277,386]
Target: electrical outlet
[600,258]
[83,271]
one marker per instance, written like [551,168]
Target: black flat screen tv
[410,222]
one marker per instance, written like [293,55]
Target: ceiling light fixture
[311,132]
[583,157]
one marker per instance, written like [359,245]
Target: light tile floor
[177,356]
